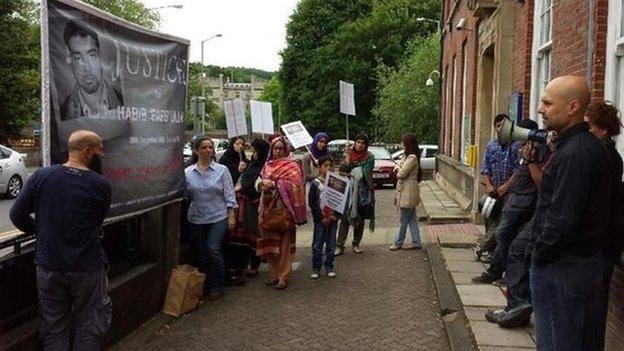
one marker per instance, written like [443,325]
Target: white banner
[235,117]
[297,134]
[335,192]
[347,100]
[261,117]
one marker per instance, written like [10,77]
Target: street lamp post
[429,82]
[423,19]
[219,35]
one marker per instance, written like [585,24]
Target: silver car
[427,157]
[12,172]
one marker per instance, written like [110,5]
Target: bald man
[570,222]
[70,202]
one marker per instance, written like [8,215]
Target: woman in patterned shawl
[281,175]
[361,203]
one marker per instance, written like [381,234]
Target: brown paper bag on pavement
[184,291]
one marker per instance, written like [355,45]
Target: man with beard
[70,202]
[92,94]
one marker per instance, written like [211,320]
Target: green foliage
[235,74]
[130,10]
[405,102]
[19,66]
[271,93]
[332,40]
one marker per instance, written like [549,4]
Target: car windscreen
[380,153]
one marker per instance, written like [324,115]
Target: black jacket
[614,242]
[573,208]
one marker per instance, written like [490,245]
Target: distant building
[223,89]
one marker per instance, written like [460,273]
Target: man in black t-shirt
[70,202]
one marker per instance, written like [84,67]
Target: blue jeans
[68,303]
[564,294]
[517,271]
[208,238]
[507,229]
[408,217]
[324,236]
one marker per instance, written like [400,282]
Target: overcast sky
[254,31]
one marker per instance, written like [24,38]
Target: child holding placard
[325,223]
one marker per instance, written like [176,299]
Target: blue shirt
[211,193]
[500,163]
[69,206]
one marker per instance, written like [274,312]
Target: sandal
[270,282]
[281,285]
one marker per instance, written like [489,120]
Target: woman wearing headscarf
[240,243]
[234,158]
[361,203]
[282,188]
[309,161]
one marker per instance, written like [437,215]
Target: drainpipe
[590,43]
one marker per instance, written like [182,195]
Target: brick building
[497,56]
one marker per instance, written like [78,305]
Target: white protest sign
[235,117]
[347,100]
[261,117]
[297,134]
[335,192]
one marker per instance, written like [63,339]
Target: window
[465,134]
[541,56]
[453,107]
[614,68]
[4,153]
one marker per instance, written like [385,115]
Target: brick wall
[452,47]
[523,36]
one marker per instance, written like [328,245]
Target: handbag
[272,218]
[366,202]
[103,313]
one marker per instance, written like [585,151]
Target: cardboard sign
[335,192]
[347,100]
[297,134]
[261,117]
[235,117]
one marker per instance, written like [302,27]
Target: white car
[427,156]
[12,172]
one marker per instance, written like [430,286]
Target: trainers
[484,278]
[331,273]
[413,247]
[339,251]
[495,316]
[356,249]
[315,275]
[394,247]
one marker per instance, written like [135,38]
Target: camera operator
[518,209]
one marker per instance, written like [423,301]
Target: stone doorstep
[499,348]
[480,295]
[465,266]
[451,254]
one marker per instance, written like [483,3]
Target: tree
[405,102]
[130,10]
[271,93]
[329,40]
[19,66]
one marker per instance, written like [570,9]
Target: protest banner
[127,84]
[347,103]
[297,134]
[335,192]
[261,117]
[235,117]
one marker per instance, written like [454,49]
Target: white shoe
[356,249]
[315,275]
[331,274]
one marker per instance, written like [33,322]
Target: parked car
[12,172]
[427,157]
[383,171]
